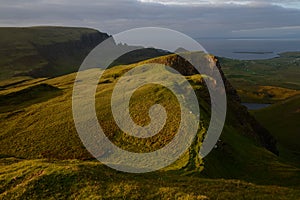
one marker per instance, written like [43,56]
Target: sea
[249,48]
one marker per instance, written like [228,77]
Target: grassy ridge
[45,130]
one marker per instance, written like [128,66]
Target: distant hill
[45,51]
[55,51]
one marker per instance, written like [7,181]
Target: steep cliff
[65,57]
[237,113]
[45,51]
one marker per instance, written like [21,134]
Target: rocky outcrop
[242,119]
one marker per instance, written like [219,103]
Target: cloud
[284,3]
[288,31]
[196,18]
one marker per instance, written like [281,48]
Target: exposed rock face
[176,62]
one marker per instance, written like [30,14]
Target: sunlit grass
[40,179]
[45,130]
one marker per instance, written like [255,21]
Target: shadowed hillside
[45,51]
[282,120]
[55,51]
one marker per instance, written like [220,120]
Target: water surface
[249,49]
[256,106]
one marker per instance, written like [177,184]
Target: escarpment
[45,51]
[238,113]
[66,56]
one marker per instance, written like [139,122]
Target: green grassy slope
[73,179]
[44,129]
[282,120]
[272,81]
[237,157]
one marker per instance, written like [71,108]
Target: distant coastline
[254,52]
[245,49]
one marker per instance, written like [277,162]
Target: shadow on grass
[26,97]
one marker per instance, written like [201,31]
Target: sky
[196,18]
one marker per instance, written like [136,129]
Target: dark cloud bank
[209,19]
